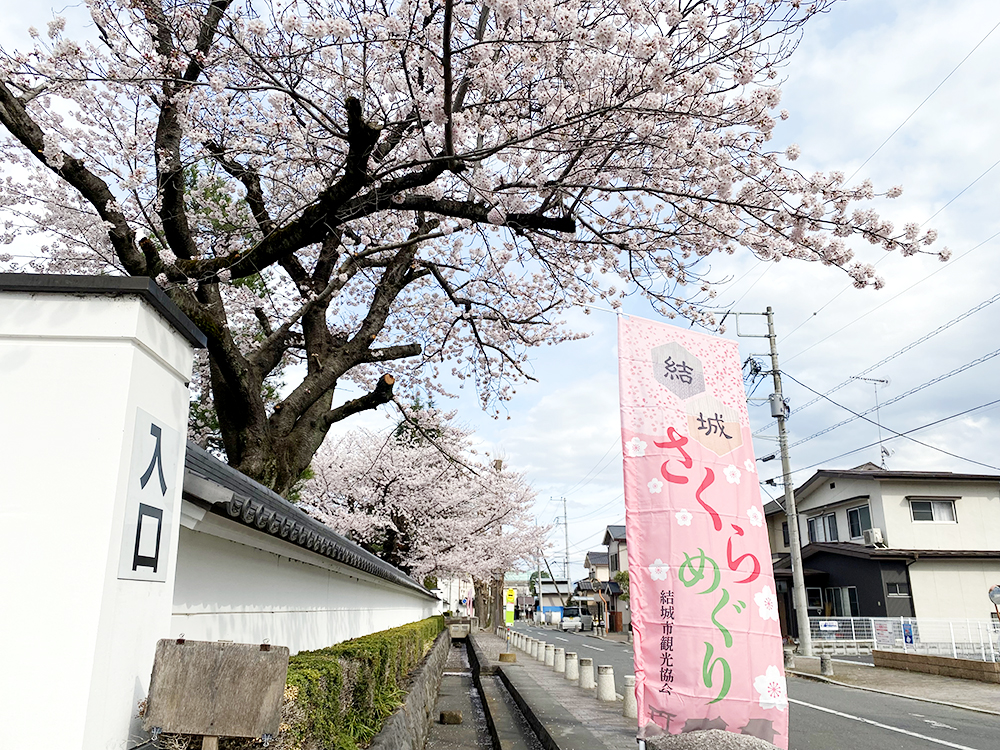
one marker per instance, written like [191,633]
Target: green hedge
[345,692]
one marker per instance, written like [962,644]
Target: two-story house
[597,590]
[614,540]
[879,543]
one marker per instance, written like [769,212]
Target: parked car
[571,619]
[586,622]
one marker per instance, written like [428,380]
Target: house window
[834,605]
[852,598]
[814,598]
[937,511]
[614,563]
[859,520]
[784,534]
[823,528]
[897,589]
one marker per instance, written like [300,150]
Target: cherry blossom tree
[382,190]
[422,499]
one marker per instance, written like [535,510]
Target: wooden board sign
[216,689]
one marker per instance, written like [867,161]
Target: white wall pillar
[92,438]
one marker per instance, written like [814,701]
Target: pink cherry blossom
[475,171]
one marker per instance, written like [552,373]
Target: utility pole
[566,529]
[798,578]
[777,402]
[538,582]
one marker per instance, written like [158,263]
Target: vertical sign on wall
[149,500]
[702,594]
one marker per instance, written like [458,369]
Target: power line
[881,145]
[922,386]
[907,432]
[577,546]
[897,434]
[598,510]
[909,116]
[891,357]
[904,291]
[584,480]
[597,474]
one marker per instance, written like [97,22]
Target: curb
[820,678]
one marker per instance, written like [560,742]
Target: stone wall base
[984,671]
[407,729]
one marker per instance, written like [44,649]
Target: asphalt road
[829,717]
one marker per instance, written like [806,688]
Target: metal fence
[961,639]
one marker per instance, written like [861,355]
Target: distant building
[618,611]
[596,564]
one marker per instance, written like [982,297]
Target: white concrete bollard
[559,660]
[532,647]
[550,655]
[572,666]
[606,684]
[587,673]
[630,708]
[540,656]
[826,665]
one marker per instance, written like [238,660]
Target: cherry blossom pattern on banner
[767,603]
[771,688]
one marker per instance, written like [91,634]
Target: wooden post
[209,743]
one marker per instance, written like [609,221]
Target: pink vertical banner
[702,596]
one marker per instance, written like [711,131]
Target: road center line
[564,640]
[587,645]
[907,732]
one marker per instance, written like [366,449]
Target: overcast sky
[862,71]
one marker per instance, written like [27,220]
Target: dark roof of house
[849,549]
[233,495]
[141,286]
[596,558]
[772,507]
[871,471]
[614,534]
[605,587]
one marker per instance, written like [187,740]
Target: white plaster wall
[75,370]
[237,584]
[953,588]
[817,502]
[977,511]
[774,535]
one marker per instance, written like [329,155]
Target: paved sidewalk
[573,717]
[951,691]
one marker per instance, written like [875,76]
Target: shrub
[347,691]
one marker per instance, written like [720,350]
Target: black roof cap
[141,286]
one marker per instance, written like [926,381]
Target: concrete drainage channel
[474,710]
